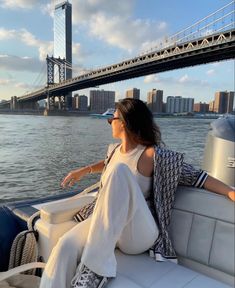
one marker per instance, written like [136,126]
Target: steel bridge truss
[211,48]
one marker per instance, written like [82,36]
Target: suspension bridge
[209,40]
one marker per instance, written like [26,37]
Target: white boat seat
[202,230]
[59,212]
[142,271]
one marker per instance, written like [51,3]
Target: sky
[106,32]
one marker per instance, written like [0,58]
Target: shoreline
[88,113]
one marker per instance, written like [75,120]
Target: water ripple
[37,152]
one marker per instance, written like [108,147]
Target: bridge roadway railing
[140,62]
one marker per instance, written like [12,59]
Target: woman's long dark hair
[139,122]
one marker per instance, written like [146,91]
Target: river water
[36,152]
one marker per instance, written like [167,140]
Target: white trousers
[120,219]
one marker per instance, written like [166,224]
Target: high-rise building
[211,106]
[231,102]
[101,100]
[224,101]
[221,99]
[82,103]
[170,104]
[133,93]
[63,40]
[179,104]
[155,100]
[188,104]
[201,107]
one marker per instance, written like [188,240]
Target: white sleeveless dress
[131,160]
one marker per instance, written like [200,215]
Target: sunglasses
[110,120]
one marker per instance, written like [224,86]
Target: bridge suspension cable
[39,80]
[220,20]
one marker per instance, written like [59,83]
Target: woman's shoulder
[111,147]
[149,151]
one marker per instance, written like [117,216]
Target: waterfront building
[170,104]
[188,104]
[223,102]
[211,106]
[133,93]
[231,102]
[80,102]
[179,104]
[101,100]
[201,107]
[63,40]
[155,100]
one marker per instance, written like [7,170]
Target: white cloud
[44,47]
[4,82]
[216,64]
[151,79]
[48,9]
[7,34]
[79,54]
[184,79]
[15,4]
[125,33]
[15,63]
[84,10]
[112,22]
[11,84]
[210,72]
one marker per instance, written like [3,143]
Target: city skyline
[96,44]
[222,103]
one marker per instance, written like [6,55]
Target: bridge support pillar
[65,101]
[14,103]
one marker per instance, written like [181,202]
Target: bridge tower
[52,63]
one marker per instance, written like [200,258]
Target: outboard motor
[219,158]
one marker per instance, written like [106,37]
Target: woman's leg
[120,200]
[63,261]
[141,232]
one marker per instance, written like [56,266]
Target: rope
[24,247]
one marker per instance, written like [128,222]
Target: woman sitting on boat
[132,210]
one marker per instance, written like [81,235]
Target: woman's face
[117,125]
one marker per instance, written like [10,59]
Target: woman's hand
[231,195]
[74,176]
[215,185]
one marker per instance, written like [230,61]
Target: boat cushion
[58,212]
[142,271]
[21,281]
[202,229]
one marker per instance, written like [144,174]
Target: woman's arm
[76,175]
[214,185]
